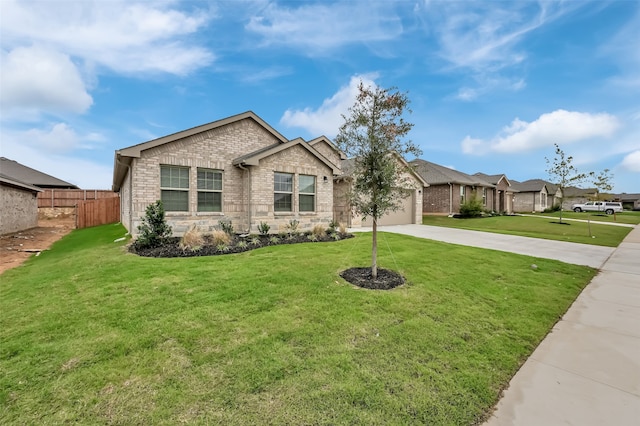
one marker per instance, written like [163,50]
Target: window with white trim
[209,190]
[283,192]
[461,194]
[484,196]
[174,188]
[306,193]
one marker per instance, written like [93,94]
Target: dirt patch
[17,247]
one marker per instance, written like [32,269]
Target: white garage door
[402,216]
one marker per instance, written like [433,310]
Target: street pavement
[586,372]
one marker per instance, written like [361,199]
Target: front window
[307,193]
[283,192]
[461,194]
[209,190]
[484,196]
[174,188]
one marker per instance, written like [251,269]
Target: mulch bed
[361,277]
[172,247]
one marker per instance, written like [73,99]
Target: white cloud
[54,138]
[631,162]
[86,174]
[318,28]
[123,36]
[36,78]
[559,127]
[328,117]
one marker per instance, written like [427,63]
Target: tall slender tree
[373,135]
[563,173]
[602,181]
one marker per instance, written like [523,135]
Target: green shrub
[226,226]
[154,230]
[472,208]
[263,228]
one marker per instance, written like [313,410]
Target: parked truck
[608,207]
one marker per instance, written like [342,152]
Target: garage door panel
[402,216]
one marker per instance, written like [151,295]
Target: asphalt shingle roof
[435,174]
[31,176]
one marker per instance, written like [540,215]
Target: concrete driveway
[578,254]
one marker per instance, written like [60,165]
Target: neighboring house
[410,210]
[575,195]
[449,188]
[31,176]
[502,192]
[629,201]
[533,195]
[18,204]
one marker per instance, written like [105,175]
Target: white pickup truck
[609,207]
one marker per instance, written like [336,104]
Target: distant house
[31,176]
[448,188]
[535,195]
[629,201]
[575,195]
[18,204]
[502,192]
[238,168]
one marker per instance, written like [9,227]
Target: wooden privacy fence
[97,212]
[70,197]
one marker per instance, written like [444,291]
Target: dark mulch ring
[559,223]
[238,244]
[361,277]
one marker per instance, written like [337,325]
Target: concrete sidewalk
[587,370]
[577,254]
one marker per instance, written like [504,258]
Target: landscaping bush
[554,208]
[192,239]
[226,226]
[220,237]
[472,208]
[263,228]
[154,230]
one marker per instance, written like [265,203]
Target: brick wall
[436,198]
[328,152]
[19,209]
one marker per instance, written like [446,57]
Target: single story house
[575,195]
[32,176]
[534,195]
[18,205]
[629,201]
[237,169]
[448,188]
[502,192]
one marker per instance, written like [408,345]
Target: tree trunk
[374,250]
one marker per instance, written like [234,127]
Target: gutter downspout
[248,195]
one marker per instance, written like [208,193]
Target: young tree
[563,173]
[372,135]
[602,181]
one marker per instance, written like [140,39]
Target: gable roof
[326,140]
[18,172]
[253,158]
[348,166]
[135,150]
[9,181]
[123,157]
[493,179]
[436,174]
[533,185]
[574,191]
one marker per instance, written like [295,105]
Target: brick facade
[247,193]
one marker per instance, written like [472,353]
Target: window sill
[283,213]
[209,214]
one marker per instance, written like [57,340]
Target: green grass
[629,217]
[94,335]
[537,227]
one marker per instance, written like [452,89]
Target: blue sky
[493,85]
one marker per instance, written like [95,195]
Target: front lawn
[629,217]
[537,227]
[91,334]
